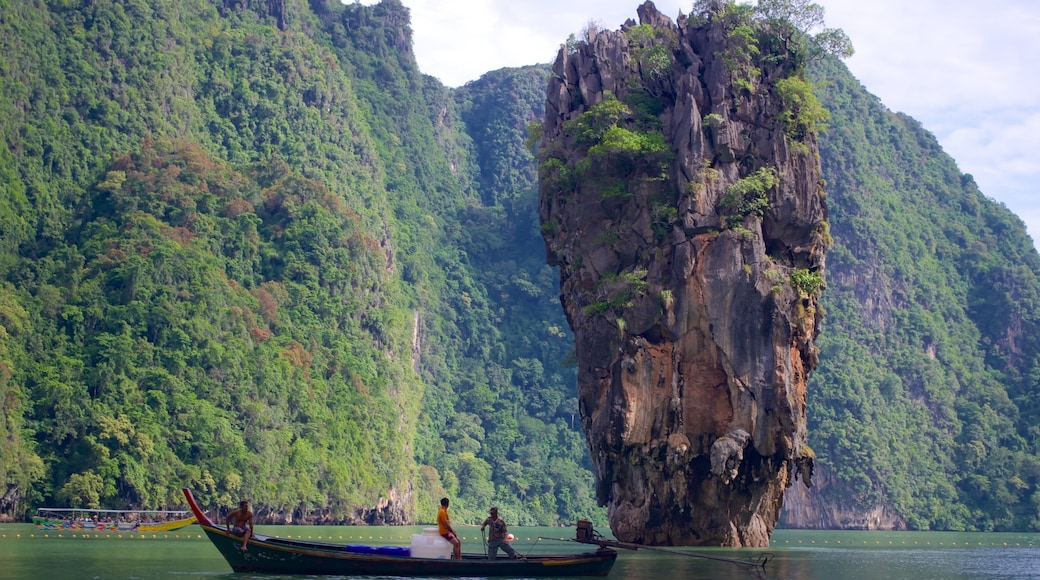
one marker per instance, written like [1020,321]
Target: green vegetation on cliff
[282,263]
[926,395]
[198,311]
[255,251]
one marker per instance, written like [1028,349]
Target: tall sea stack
[681,199]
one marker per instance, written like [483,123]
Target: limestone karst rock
[681,200]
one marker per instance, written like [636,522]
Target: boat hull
[280,556]
[166,526]
[271,555]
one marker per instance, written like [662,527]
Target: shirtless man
[240,523]
[444,529]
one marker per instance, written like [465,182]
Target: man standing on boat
[497,536]
[240,523]
[444,529]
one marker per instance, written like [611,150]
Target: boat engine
[584,531]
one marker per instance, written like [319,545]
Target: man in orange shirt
[444,529]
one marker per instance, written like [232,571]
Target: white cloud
[459,40]
[965,70]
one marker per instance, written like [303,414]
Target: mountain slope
[191,323]
[247,248]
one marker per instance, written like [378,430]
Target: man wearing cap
[497,535]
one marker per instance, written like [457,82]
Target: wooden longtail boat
[88,520]
[272,555]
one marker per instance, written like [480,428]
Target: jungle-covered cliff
[249,247]
[924,408]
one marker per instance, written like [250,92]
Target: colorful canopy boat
[271,555]
[87,520]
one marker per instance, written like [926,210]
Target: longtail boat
[273,555]
[88,520]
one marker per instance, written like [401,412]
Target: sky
[965,69]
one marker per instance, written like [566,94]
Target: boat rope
[758,561]
[532,546]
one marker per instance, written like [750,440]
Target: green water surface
[29,553]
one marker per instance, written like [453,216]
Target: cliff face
[690,271]
[811,509]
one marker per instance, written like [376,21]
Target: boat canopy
[93,511]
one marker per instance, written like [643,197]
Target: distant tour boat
[87,520]
[271,555]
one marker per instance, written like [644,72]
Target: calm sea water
[28,553]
